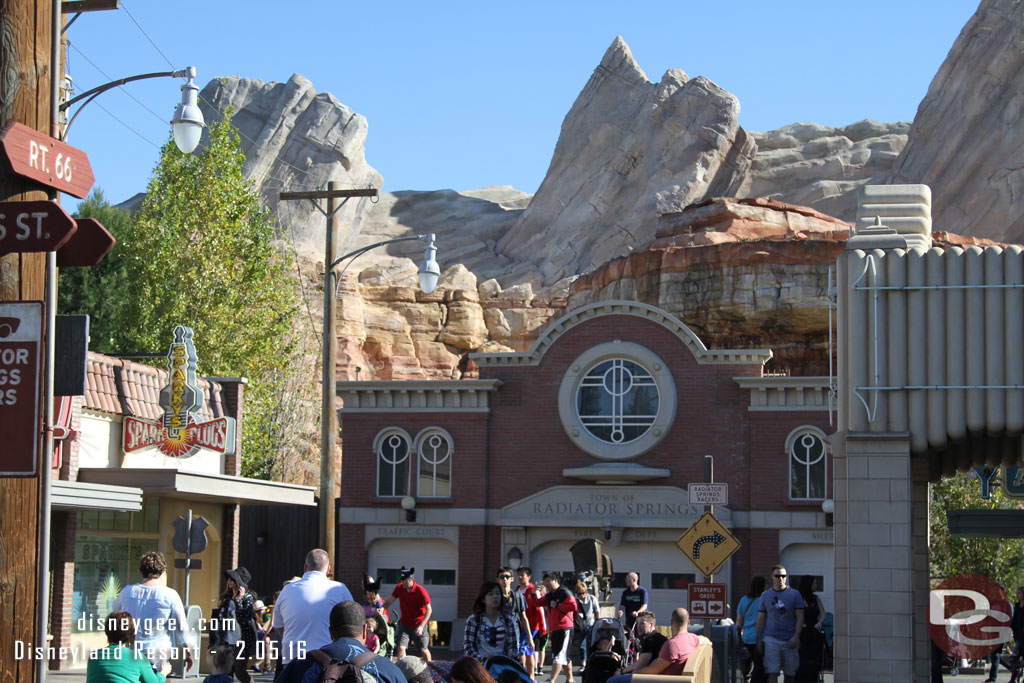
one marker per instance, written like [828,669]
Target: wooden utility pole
[329,473]
[25,87]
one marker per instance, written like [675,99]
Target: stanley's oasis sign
[180,434]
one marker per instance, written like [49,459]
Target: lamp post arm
[353,255]
[181,73]
[363,250]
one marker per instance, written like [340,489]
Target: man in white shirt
[303,610]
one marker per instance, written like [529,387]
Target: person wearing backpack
[346,659]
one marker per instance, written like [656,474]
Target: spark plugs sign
[180,434]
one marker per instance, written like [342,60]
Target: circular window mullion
[617,400]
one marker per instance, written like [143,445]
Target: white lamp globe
[429,271]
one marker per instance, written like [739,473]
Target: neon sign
[180,434]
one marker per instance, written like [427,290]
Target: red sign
[969,616]
[21,333]
[87,246]
[216,435]
[34,226]
[47,160]
[707,600]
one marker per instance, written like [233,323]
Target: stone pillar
[875,558]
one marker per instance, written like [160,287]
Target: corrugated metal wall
[932,343]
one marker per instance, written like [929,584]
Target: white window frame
[791,444]
[422,444]
[378,451]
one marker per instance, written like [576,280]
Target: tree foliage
[1000,559]
[200,252]
[98,291]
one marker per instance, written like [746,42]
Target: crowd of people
[314,623]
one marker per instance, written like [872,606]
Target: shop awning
[81,495]
[213,488]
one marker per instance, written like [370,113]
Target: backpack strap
[364,658]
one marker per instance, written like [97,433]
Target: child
[372,641]
[222,660]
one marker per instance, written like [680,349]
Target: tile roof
[124,387]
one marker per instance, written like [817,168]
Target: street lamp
[428,273]
[188,120]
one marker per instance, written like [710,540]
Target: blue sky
[468,94]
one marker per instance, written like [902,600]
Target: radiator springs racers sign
[180,434]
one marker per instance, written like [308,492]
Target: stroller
[496,665]
[602,664]
[385,633]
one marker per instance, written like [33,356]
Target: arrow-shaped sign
[716,538]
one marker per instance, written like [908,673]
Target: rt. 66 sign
[47,160]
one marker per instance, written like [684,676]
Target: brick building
[593,433]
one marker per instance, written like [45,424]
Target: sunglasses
[504,576]
[780,576]
[492,635]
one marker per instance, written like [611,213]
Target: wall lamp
[514,557]
[828,506]
[409,505]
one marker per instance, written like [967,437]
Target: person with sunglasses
[513,604]
[489,630]
[780,617]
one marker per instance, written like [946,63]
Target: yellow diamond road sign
[708,544]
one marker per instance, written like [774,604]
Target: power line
[121,88]
[132,17]
[143,137]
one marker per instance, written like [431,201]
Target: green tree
[98,291]
[1001,559]
[199,251]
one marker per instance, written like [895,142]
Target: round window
[617,400]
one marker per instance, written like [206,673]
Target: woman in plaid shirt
[489,630]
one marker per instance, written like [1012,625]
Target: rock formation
[742,273]
[629,150]
[823,167]
[967,136]
[627,207]
[297,139]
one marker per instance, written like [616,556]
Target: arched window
[393,446]
[807,448]
[434,447]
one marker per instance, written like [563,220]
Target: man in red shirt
[561,610]
[414,603]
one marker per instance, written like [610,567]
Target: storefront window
[439,577]
[671,581]
[108,546]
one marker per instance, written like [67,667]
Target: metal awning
[212,488]
[986,523]
[81,495]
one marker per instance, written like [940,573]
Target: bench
[696,669]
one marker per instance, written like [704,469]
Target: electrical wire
[159,51]
[121,87]
[141,136]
